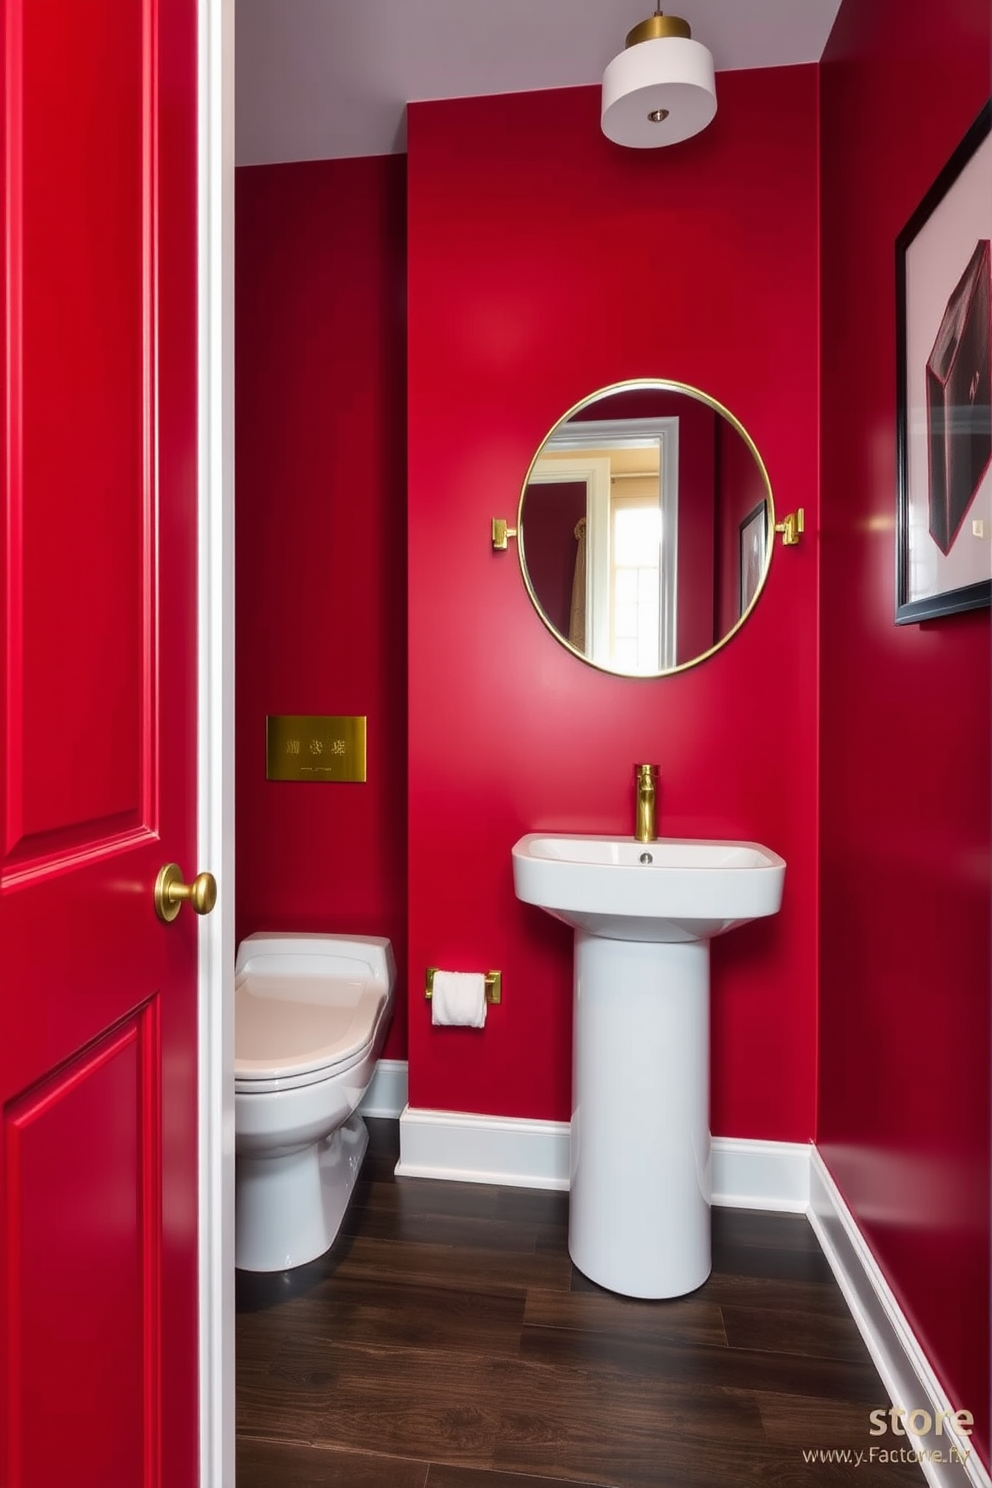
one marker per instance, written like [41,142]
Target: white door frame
[594,474]
[215,721]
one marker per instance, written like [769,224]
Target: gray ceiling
[322,79]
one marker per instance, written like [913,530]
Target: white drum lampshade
[661,88]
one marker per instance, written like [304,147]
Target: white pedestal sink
[643,916]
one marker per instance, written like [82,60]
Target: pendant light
[660,89]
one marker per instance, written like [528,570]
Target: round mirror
[644,528]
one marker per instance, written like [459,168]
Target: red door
[98,1259]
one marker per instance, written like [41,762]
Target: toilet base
[289,1209]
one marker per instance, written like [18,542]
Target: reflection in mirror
[644,528]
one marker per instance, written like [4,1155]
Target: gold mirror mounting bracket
[792,528]
[500,534]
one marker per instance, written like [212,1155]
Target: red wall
[903,1118]
[740,488]
[695,621]
[552,512]
[321,521]
[545,262]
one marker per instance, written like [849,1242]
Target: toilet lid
[286,1026]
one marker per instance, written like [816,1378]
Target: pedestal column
[639,1209]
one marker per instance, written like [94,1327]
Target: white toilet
[310,1016]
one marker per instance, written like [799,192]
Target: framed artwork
[753,538]
[944,392]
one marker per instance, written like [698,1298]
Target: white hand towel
[459,997]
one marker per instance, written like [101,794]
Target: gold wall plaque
[301,746]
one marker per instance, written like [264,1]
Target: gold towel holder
[493,980]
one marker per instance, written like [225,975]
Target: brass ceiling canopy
[658,24]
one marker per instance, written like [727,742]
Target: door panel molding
[93,1120]
[15,873]
[81,418]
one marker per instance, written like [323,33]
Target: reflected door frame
[586,434]
[594,474]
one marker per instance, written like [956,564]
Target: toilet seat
[292,1031]
[310,1019]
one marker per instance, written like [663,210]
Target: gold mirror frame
[664,386]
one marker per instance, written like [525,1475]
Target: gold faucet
[645,828]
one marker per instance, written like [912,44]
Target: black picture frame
[752,550]
[943,396]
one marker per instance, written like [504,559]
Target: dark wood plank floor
[446,1341]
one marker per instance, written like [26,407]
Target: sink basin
[669,891]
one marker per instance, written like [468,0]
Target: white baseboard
[535,1154]
[483,1149]
[895,1350]
[760,1175]
[386,1095]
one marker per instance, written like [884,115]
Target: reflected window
[635,582]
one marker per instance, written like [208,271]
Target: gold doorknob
[171,893]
